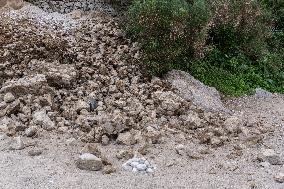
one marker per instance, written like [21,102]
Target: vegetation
[233,45]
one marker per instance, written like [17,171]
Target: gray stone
[105,140]
[126,138]
[261,93]
[191,89]
[180,149]
[149,170]
[9,97]
[18,144]
[35,152]
[42,119]
[12,108]
[141,167]
[134,164]
[269,155]
[27,85]
[89,162]
[108,169]
[31,131]
[279,177]
[82,105]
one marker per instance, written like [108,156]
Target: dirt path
[55,168]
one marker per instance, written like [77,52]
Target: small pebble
[149,170]
[93,105]
[141,167]
[134,164]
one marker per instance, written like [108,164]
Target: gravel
[140,165]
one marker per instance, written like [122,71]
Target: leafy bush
[276,7]
[227,44]
[240,26]
[168,30]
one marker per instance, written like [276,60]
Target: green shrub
[240,26]
[169,30]
[227,44]
[276,7]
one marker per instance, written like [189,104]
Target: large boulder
[193,90]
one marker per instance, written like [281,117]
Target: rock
[92,148]
[138,165]
[144,149]
[108,169]
[31,131]
[9,97]
[233,124]
[260,93]
[264,164]
[216,142]
[279,177]
[13,108]
[149,170]
[42,119]
[154,136]
[126,138]
[269,155]
[105,140]
[57,75]
[3,136]
[89,162]
[124,154]
[193,155]
[141,167]
[18,144]
[27,85]
[180,149]
[82,105]
[35,152]
[93,105]
[191,89]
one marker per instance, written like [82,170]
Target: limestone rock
[191,89]
[279,177]
[126,138]
[108,169]
[42,119]
[89,162]
[9,97]
[31,131]
[27,85]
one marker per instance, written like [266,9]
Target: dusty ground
[55,168]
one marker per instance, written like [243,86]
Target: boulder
[193,90]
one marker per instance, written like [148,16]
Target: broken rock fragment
[89,162]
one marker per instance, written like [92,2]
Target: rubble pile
[84,80]
[67,6]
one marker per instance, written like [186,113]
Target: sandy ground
[55,168]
